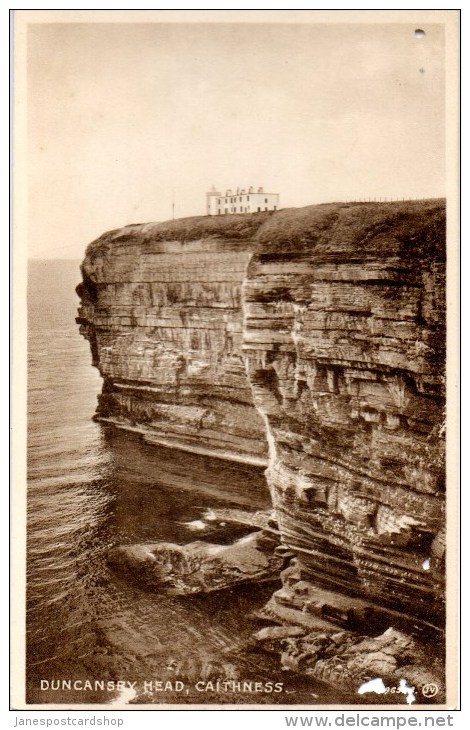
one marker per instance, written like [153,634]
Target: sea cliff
[344,338]
[161,308]
[310,341]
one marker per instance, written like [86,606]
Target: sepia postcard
[234,361]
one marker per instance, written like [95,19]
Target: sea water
[93,636]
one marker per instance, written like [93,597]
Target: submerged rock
[278,632]
[198,567]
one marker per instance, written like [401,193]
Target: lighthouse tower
[211,201]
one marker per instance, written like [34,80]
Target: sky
[125,117]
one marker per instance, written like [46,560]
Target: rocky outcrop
[391,664]
[199,567]
[311,341]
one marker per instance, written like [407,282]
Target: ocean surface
[90,488]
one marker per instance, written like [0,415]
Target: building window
[266,208]
[259,210]
[218,212]
[247,197]
[265,200]
[275,207]
[240,198]
[226,210]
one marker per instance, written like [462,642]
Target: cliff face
[344,340]
[341,332]
[160,305]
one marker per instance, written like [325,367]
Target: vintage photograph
[237,232]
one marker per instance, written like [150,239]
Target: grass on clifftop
[409,229]
[243,226]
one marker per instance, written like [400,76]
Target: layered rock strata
[160,305]
[344,339]
[331,366]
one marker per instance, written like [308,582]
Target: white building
[240,201]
